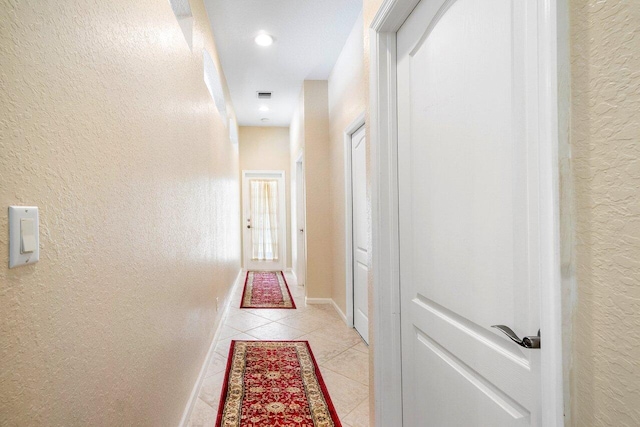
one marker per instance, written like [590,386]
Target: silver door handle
[302,230]
[526,342]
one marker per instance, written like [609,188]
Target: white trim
[340,313]
[356,124]
[281,176]
[552,384]
[567,233]
[203,370]
[293,273]
[317,301]
[327,301]
[387,356]
[386,285]
[391,16]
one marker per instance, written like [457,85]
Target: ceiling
[309,35]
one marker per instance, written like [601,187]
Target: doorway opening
[300,267]
[264,220]
[356,227]
[422,323]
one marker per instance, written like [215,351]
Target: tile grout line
[343,376]
[356,407]
[207,403]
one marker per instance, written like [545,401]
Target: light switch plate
[16,215]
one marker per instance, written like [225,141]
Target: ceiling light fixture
[264,108]
[264,40]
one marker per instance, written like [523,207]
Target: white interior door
[360,234]
[469,218]
[301,245]
[264,220]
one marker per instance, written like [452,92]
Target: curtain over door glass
[264,220]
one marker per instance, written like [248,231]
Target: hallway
[341,353]
[459,179]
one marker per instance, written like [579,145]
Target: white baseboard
[328,301]
[203,370]
[293,273]
[318,300]
[340,313]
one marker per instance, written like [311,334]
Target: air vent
[264,95]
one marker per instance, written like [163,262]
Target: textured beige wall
[309,134]
[346,102]
[267,148]
[107,126]
[605,136]
[318,191]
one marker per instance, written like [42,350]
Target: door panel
[360,233]
[471,399]
[301,258]
[468,212]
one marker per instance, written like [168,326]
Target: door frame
[354,126]
[295,227]
[280,175]
[387,353]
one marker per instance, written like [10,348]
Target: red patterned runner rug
[266,289]
[274,383]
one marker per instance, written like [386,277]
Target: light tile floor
[341,353]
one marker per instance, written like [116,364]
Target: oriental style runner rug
[266,289]
[274,383]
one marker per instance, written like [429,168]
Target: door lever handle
[526,342]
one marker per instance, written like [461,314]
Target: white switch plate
[16,215]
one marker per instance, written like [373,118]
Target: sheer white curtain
[264,220]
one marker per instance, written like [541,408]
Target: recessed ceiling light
[264,40]
[264,119]
[264,108]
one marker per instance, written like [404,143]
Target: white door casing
[281,262]
[360,233]
[492,196]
